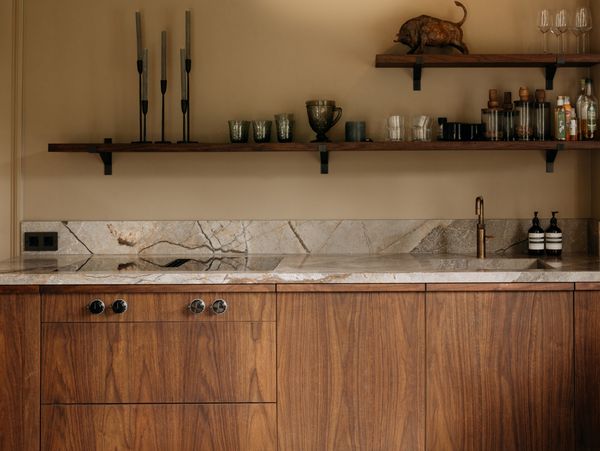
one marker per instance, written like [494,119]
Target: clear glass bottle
[524,107]
[491,117]
[568,116]
[590,110]
[510,118]
[542,130]
[560,120]
[579,107]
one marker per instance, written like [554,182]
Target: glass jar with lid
[492,118]
[524,127]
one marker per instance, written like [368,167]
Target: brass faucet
[480,227]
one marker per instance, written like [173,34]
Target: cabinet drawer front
[72,307]
[248,427]
[158,362]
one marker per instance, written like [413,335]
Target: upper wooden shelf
[551,62]
[105,150]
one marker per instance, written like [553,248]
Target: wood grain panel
[158,362]
[350,371]
[587,286]
[19,372]
[19,289]
[350,288]
[479,287]
[587,370]
[158,307]
[148,288]
[500,371]
[247,427]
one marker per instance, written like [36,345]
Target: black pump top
[553,224]
[536,228]
[553,220]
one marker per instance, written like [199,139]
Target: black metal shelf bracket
[324,153]
[551,70]
[551,155]
[106,157]
[417,73]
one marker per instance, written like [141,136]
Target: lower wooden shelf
[106,149]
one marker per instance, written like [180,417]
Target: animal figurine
[432,32]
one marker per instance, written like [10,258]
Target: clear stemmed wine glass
[544,22]
[583,24]
[559,26]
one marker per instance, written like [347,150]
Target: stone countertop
[242,268]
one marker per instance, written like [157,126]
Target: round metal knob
[197,306]
[96,307]
[219,306]
[119,306]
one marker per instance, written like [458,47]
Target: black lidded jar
[535,237]
[554,238]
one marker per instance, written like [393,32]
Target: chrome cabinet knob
[219,306]
[96,307]
[197,306]
[119,306]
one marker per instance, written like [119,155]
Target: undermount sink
[498,264]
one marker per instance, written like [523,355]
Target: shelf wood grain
[487,60]
[333,147]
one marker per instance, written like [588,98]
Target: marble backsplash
[304,236]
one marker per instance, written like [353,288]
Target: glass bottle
[560,120]
[568,116]
[581,111]
[590,110]
[535,237]
[491,117]
[541,111]
[524,107]
[510,118]
[554,238]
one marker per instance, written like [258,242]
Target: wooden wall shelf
[551,148]
[550,62]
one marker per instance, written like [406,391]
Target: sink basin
[495,264]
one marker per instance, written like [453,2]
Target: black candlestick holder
[184,110]
[140,69]
[163,91]
[188,69]
[144,113]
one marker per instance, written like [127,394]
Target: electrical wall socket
[40,241]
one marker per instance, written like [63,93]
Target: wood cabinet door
[587,370]
[19,369]
[500,371]
[150,362]
[165,427]
[350,371]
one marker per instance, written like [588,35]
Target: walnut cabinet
[301,367]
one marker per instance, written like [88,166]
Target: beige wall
[6,22]
[256,58]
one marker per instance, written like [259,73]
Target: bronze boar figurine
[432,32]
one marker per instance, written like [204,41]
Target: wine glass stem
[545,42]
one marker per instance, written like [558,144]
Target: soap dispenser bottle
[554,238]
[535,237]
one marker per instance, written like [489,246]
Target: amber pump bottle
[554,238]
[535,237]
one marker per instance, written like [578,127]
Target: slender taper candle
[184,93]
[145,76]
[138,31]
[163,55]
[188,34]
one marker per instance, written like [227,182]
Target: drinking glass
[261,131]
[395,127]
[238,131]
[420,128]
[583,25]
[559,26]
[284,123]
[544,22]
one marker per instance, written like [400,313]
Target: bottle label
[554,241]
[536,241]
[592,120]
